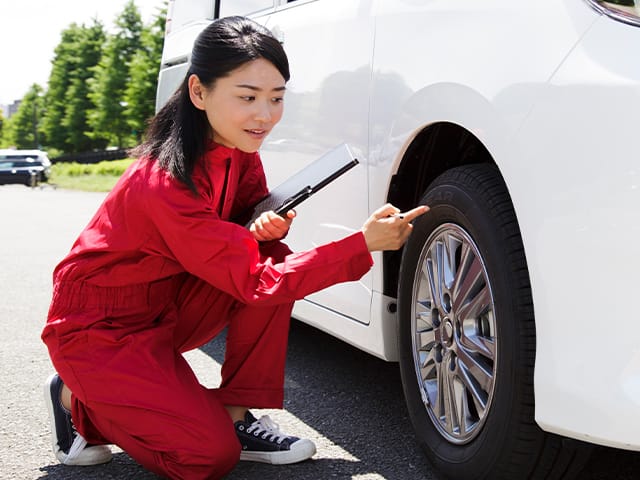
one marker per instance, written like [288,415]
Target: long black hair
[179,133]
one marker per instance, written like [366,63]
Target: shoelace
[270,428]
[79,443]
[76,447]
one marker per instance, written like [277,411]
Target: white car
[28,167]
[517,122]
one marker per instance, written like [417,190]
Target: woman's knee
[209,459]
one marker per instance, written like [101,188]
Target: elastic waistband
[79,294]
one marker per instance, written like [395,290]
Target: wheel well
[435,149]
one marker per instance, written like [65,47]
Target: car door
[329,44]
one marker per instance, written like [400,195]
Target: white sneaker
[69,447]
[262,441]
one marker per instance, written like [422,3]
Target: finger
[256,234]
[289,216]
[275,219]
[415,212]
[273,226]
[264,223]
[385,211]
[279,224]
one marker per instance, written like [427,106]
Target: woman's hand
[271,226]
[388,229]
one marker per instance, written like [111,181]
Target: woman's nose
[263,113]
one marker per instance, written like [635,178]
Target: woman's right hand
[388,229]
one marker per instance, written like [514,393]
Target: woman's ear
[196,92]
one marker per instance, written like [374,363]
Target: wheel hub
[454,342]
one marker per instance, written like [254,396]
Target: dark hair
[177,136]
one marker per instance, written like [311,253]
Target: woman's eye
[277,99]
[248,98]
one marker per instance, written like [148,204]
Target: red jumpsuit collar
[217,152]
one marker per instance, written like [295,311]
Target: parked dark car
[27,167]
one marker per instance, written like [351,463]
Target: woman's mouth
[257,133]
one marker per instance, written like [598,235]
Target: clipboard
[302,185]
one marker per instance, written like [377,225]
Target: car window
[31,158]
[186,11]
[20,161]
[243,7]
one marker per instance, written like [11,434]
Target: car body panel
[578,235]
[551,89]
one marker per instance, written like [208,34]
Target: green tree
[140,93]
[111,77]
[3,125]
[65,122]
[25,130]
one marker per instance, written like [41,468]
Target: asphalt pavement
[349,403]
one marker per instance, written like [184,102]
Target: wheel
[467,337]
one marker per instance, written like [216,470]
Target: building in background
[8,110]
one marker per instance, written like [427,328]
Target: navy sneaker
[262,441]
[68,445]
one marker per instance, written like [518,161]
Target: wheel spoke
[432,274]
[478,395]
[426,339]
[476,368]
[477,303]
[451,244]
[464,414]
[428,365]
[452,411]
[468,283]
[440,407]
[483,345]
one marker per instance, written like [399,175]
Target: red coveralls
[158,272]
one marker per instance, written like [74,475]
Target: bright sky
[30,31]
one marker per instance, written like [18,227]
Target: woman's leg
[175,428]
[255,356]
[132,388]
[253,368]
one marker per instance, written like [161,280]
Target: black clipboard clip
[294,201]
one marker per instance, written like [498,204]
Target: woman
[160,270]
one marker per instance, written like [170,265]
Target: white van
[510,309]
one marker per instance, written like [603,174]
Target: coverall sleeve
[228,257]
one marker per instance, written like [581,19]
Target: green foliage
[65,122]
[139,95]
[107,167]
[2,127]
[108,86]
[101,89]
[24,129]
[97,177]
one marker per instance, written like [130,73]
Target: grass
[96,177]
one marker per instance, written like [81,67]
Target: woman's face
[244,106]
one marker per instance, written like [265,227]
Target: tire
[467,338]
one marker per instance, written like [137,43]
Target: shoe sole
[302,450]
[94,455]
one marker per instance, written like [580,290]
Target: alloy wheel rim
[454,334]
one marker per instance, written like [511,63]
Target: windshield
[28,158]
[13,163]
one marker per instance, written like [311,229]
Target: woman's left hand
[271,226]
